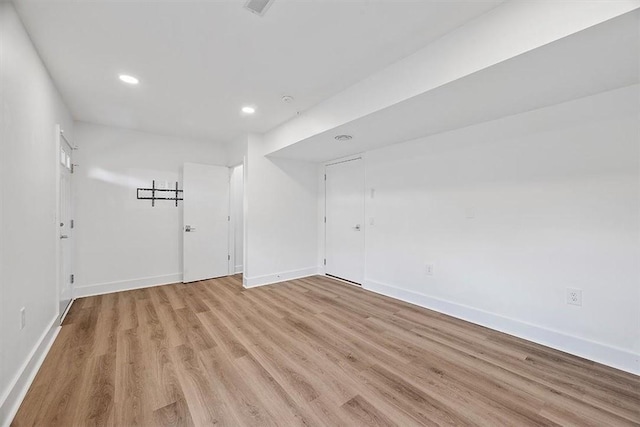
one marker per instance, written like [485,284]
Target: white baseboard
[597,352]
[66,311]
[238,269]
[126,285]
[252,282]
[10,402]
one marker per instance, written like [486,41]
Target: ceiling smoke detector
[287,99]
[258,7]
[343,137]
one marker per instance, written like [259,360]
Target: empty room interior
[320,212]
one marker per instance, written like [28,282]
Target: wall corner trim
[594,351]
[13,397]
[252,282]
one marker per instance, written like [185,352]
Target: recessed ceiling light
[343,137]
[128,79]
[287,99]
[248,110]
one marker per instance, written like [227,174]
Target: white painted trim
[238,269]
[349,158]
[126,285]
[252,282]
[16,392]
[66,311]
[595,351]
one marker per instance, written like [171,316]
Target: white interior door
[206,221]
[345,195]
[65,229]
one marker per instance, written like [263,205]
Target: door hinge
[228,257]
[72,223]
[72,279]
[325,261]
[325,176]
[73,167]
[228,217]
[325,219]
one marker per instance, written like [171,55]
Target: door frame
[233,221]
[323,219]
[60,139]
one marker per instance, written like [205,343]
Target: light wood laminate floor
[312,351]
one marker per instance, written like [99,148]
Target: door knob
[64,236]
[189,229]
[357,227]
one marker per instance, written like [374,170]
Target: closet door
[345,195]
[206,221]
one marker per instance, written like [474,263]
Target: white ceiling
[200,61]
[601,58]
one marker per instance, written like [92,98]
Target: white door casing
[205,221]
[344,211]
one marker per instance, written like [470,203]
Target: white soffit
[598,59]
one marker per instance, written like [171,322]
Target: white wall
[31,108]
[513,212]
[122,242]
[280,217]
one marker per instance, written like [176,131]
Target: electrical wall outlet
[429,270]
[23,317]
[574,296]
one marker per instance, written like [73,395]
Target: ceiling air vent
[259,7]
